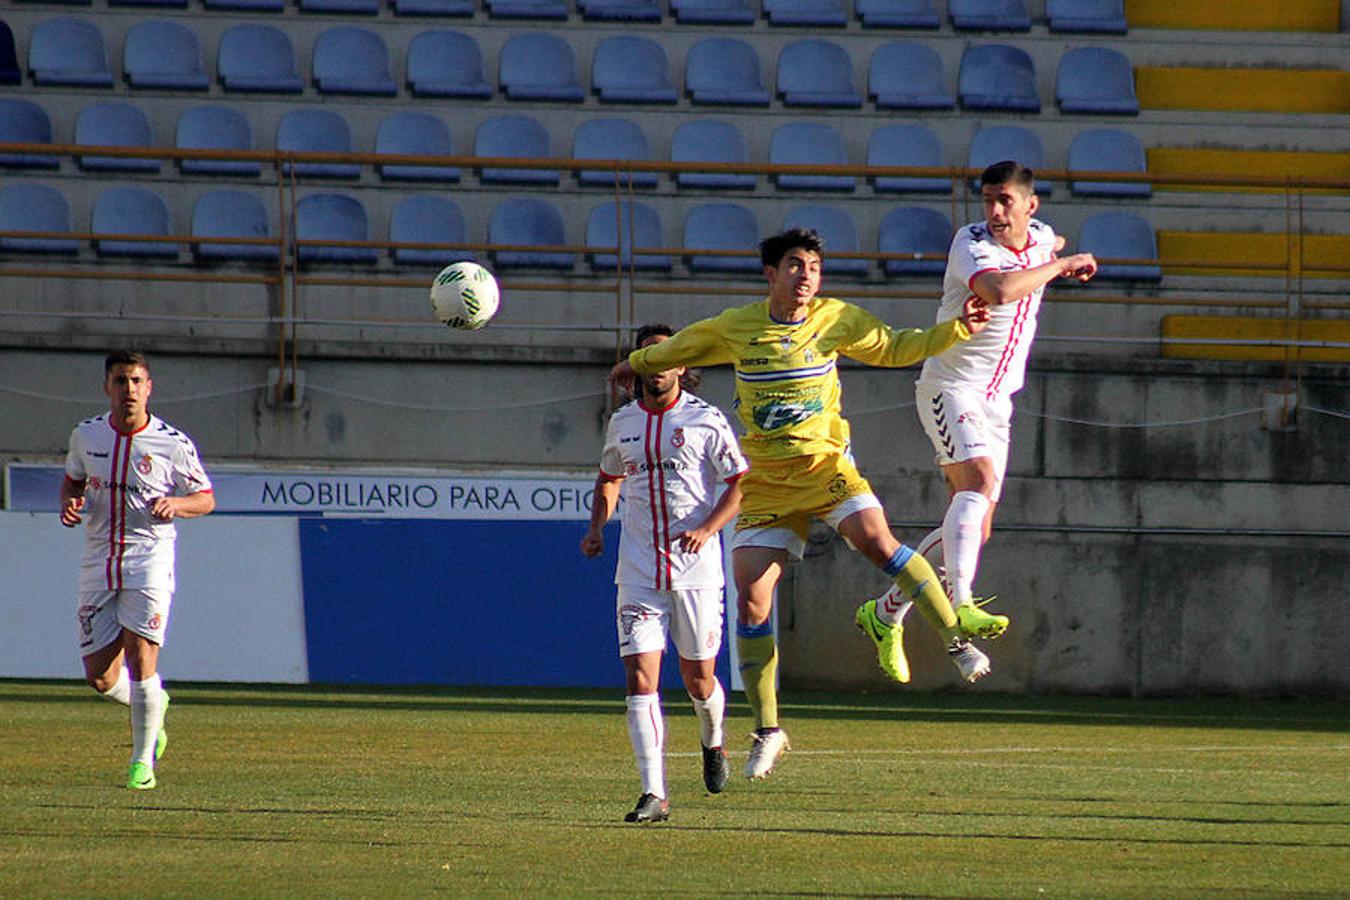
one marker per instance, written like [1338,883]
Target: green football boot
[889,640]
[975,622]
[140,777]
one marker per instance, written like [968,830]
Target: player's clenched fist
[70,511]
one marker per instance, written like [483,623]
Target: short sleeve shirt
[994,361]
[675,463]
[125,546]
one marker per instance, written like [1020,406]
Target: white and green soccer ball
[464,295]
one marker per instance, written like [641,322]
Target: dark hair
[124,358]
[773,249]
[691,378]
[1009,172]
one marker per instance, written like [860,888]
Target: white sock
[962,535]
[930,548]
[710,713]
[893,606]
[121,691]
[147,715]
[647,731]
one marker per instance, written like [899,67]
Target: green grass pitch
[322,792]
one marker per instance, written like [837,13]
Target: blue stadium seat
[527,221]
[1091,16]
[827,13]
[995,143]
[998,77]
[341,7]
[839,232]
[35,207]
[709,140]
[316,131]
[906,145]
[352,61]
[1096,80]
[10,73]
[898,13]
[989,15]
[722,226]
[724,72]
[514,136]
[908,75]
[333,217]
[539,66]
[246,5]
[414,134]
[68,51]
[911,231]
[114,125]
[24,122]
[1108,150]
[1120,235]
[809,143]
[258,59]
[713,12]
[612,139]
[164,55]
[608,225]
[132,211]
[231,214]
[554,10]
[620,10]
[817,73]
[214,128]
[440,8]
[446,64]
[426,219]
[628,69]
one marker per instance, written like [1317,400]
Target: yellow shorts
[790,493]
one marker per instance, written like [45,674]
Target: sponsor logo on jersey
[776,414]
[838,486]
[755,361]
[630,468]
[749,521]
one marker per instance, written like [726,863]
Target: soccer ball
[464,295]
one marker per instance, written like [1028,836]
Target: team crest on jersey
[677,437]
[785,342]
[145,465]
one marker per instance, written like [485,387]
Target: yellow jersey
[788,396]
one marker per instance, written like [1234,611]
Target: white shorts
[781,538]
[963,425]
[693,619]
[101,616]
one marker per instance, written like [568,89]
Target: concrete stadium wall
[1153,537]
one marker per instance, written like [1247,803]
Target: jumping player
[129,475]
[785,350]
[965,393]
[677,461]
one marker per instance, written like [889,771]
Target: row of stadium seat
[1100,16]
[538,66]
[908,231]
[219,127]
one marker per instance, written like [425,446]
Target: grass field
[309,792]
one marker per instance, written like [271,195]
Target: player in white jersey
[964,395]
[129,476]
[681,464]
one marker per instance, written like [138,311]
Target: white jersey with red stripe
[675,463]
[994,361]
[124,545]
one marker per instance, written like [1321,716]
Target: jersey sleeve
[698,344]
[189,476]
[874,342]
[611,462]
[971,255]
[75,457]
[726,454]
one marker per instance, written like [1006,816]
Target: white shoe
[969,661]
[767,747]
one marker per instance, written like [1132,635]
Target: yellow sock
[759,669]
[916,578]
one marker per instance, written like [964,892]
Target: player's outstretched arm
[997,288]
